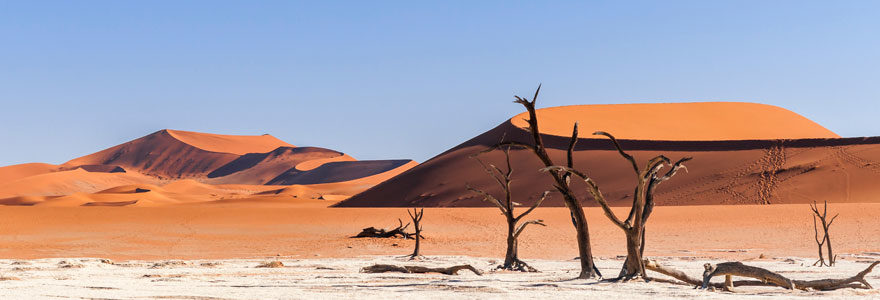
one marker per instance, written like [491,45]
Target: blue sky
[410,79]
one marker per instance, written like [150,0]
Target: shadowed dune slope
[338,172]
[159,154]
[747,171]
[260,168]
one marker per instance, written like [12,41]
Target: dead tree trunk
[416,217]
[514,229]
[642,205]
[826,239]
[766,277]
[588,268]
[419,269]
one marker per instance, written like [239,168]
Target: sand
[306,227]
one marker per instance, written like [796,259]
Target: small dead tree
[562,184]
[642,205]
[503,178]
[373,232]
[826,239]
[416,217]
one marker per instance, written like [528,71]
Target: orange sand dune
[159,154]
[68,182]
[15,172]
[235,144]
[701,121]
[721,172]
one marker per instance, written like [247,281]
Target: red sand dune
[192,168]
[802,163]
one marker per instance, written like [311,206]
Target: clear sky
[410,79]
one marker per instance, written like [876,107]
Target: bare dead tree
[642,205]
[765,277]
[826,239]
[562,184]
[503,178]
[416,217]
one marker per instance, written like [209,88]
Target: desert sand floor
[310,230]
[338,278]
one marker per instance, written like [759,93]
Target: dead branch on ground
[765,277]
[380,268]
[372,232]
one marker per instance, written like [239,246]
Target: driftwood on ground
[382,233]
[380,268]
[765,277]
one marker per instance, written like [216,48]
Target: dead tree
[503,178]
[416,217]
[642,205]
[373,232]
[826,239]
[765,277]
[562,184]
[418,269]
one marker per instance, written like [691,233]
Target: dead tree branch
[380,268]
[372,232]
[765,277]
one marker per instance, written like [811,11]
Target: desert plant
[506,205]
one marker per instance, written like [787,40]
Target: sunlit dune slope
[69,182]
[15,172]
[701,121]
[235,144]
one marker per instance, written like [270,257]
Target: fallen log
[766,277]
[380,268]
